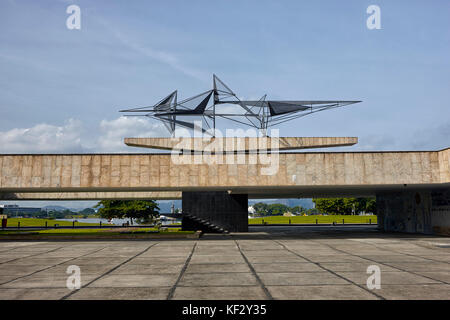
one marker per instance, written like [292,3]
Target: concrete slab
[158,260]
[282,259]
[157,293]
[99,260]
[47,281]
[219,293]
[300,278]
[128,280]
[217,267]
[39,261]
[334,258]
[415,292]
[329,292]
[20,270]
[85,269]
[148,269]
[388,278]
[287,267]
[395,258]
[353,266]
[196,258]
[443,276]
[421,266]
[268,253]
[441,257]
[32,294]
[217,279]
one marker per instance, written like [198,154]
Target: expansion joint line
[406,254]
[108,272]
[258,279]
[46,268]
[183,270]
[330,271]
[386,264]
[32,255]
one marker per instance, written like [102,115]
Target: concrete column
[419,211]
[228,211]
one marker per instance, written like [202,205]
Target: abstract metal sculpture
[260,114]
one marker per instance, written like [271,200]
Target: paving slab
[148,269]
[196,258]
[415,292]
[46,281]
[20,270]
[98,260]
[33,294]
[300,278]
[328,292]
[158,260]
[388,278]
[395,258]
[421,266]
[217,267]
[353,266]
[334,258]
[85,269]
[270,259]
[39,261]
[217,279]
[156,293]
[286,267]
[219,293]
[128,280]
[443,276]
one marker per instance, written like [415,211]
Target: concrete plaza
[265,263]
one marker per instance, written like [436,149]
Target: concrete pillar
[419,211]
[228,211]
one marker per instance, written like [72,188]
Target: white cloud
[113,132]
[73,137]
[43,138]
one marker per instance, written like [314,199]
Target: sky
[61,89]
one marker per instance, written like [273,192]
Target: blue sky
[67,85]
[61,89]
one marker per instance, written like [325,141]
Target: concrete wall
[418,211]
[156,172]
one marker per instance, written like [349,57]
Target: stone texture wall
[418,211]
[147,172]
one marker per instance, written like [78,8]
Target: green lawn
[93,231]
[35,222]
[312,219]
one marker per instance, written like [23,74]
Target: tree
[276,209]
[297,209]
[345,205]
[143,210]
[371,205]
[261,208]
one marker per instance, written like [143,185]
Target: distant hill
[57,208]
[305,203]
[166,205]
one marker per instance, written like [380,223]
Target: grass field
[35,222]
[94,231]
[312,219]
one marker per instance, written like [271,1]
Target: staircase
[205,225]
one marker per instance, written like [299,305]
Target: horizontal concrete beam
[240,144]
[291,174]
[155,195]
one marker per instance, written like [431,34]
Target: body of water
[117,222]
